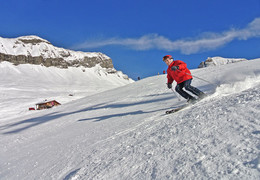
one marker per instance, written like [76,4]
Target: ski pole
[201,78]
[176,94]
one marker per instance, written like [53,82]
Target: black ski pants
[187,85]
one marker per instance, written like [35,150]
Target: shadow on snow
[32,122]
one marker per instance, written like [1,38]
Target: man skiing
[178,71]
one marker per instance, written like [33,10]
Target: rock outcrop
[35,50]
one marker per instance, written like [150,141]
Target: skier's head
[168,59]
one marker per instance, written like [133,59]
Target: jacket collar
[172,64]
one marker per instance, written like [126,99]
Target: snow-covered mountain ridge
[42,71]
[123,133]
[35,50]
[216,61]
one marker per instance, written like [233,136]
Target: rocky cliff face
[35,50]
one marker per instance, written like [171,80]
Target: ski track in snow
[123,133]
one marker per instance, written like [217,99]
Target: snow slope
[25,85]
[123,133]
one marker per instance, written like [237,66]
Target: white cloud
[206,41]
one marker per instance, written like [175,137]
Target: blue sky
[136,34]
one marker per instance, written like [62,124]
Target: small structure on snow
[47,104]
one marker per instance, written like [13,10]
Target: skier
[178,71]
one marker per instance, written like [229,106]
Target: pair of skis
[182,107]
[177,109]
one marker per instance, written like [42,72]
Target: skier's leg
[184,94]
[194,90]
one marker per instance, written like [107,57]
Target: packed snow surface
[124,133]
[25,85]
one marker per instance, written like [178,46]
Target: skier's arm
[170,79]
[182,65]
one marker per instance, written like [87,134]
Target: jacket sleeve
[182,65]
[170,79]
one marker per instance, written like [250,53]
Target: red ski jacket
[179,75]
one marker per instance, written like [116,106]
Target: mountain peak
[33,39]
[35,50]
[216,61]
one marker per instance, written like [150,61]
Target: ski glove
[169,85]
[174,68]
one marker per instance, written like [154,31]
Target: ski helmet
[167,56]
